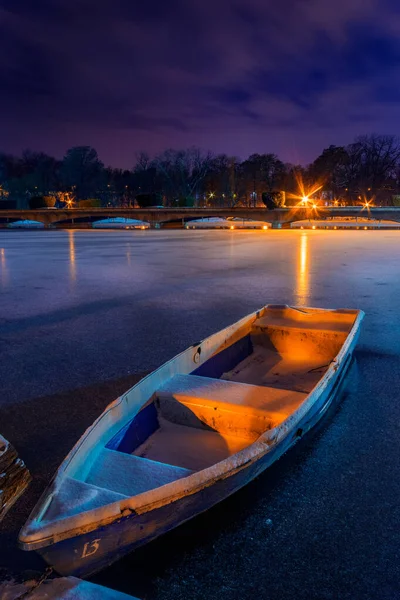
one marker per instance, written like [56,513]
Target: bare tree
[182,172]
[223,183]
[262,173]
[372,163]
[82,170]
[143,162]
[329,168]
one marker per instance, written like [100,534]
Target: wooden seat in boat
[75,496]
[287,317]
[300,335]
[230,407]
[113,476]
[129,475]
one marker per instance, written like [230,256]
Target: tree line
[366,169]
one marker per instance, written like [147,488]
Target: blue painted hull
[85,554]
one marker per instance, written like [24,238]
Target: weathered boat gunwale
[194,483]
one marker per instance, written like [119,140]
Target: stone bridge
[159,216]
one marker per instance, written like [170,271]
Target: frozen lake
[84,313]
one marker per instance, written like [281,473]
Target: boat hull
[88,553]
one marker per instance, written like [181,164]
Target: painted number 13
[90,548]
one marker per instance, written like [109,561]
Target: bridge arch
[161,216]
[13,220]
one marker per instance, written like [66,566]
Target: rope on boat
[322,366]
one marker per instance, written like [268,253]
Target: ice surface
[89,308]
[105,304]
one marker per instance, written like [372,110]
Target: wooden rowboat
[191,433]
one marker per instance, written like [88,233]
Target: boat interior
[198,419]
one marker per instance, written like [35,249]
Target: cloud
[234,75]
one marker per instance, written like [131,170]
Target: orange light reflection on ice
[4,271]
[302,274]
[72,262]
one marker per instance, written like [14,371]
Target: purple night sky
[244,76]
